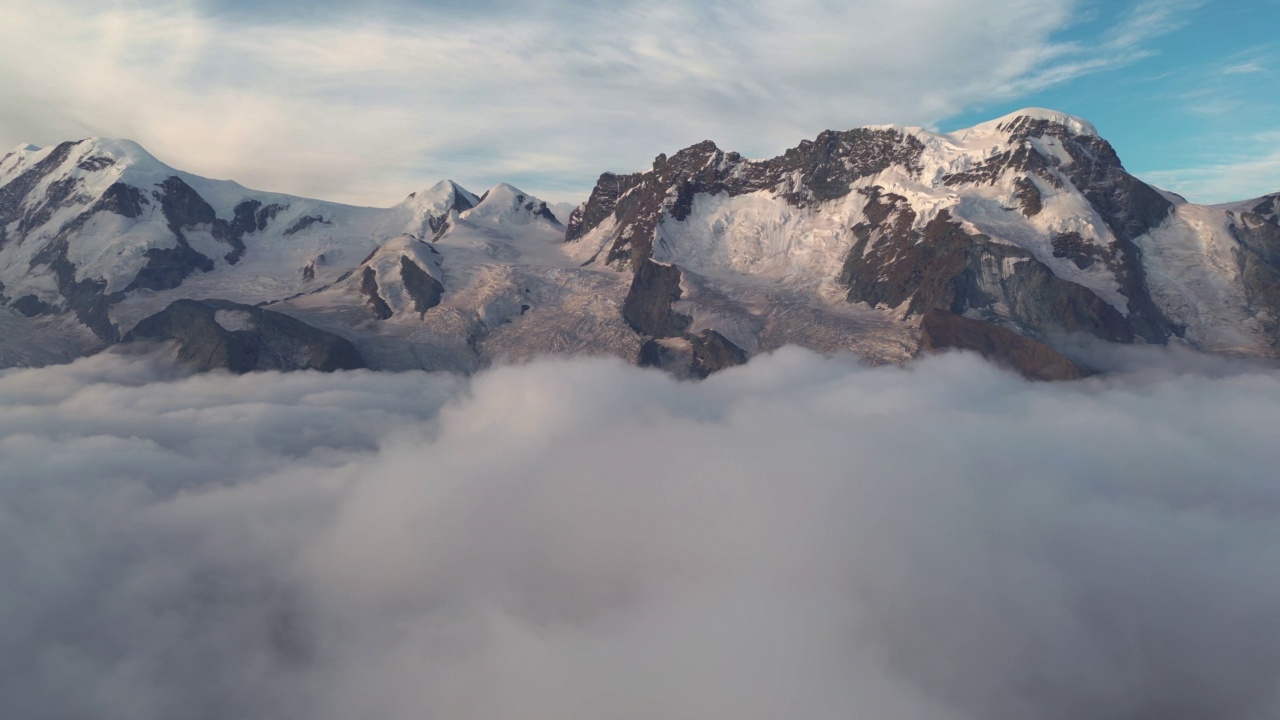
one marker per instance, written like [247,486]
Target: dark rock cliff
[944,267]
[941,330]
[647,307]
[1258,257]
[222,335]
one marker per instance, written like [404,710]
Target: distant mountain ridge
[1028,223]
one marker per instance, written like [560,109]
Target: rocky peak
[811,173]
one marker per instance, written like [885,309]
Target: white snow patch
[1193,277]
[235,320]
[760,235]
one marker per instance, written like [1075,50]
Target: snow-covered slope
[844,242]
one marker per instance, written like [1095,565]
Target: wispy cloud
[1237,178]
[1244,68]
[1233,152]
[318,99]
[1149,19]
[367,107]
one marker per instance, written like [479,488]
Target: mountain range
[1009,238]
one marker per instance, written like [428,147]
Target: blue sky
[1197,110]
[366,102]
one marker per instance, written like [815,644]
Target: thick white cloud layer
[369,103]
[800,537]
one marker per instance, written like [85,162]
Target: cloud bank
[799,537]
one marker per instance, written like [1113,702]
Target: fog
[801,537]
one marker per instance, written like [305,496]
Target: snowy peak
[1011,123]
[442,197]
[13,161]
[430,213]
[505,204]
[95,162]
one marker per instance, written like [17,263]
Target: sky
[579,538]
[366,102]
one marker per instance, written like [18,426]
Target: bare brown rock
[941,330]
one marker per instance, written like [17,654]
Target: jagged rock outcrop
[223,335]
[1257,229]
[647,309]
[713,352]
[421,287]
[21,208]
[944,267]
[369,288]
[813,172]
[941,330]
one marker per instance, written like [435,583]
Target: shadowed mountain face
[222,335]
[941,331]
[881,241]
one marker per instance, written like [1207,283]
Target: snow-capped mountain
[102,232]
[1002,235]
[1029,221]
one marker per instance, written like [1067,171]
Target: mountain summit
[879,240]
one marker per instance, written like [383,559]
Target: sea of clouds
[802,537]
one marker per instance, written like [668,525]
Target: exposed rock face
[647,308]
[184,209]
[941,330]
[944,267]
[369,288]
[425,290]
[123,200]
[1079,251]
[713,352]
[222,335]
[15,196]
[31,306]
[252,216]
[1128,206]
[305,222]
[825,167]
[1258,232]
[650,354]
[401,276]
[1029,197]
[87,298]
[167,267]
[648,311]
